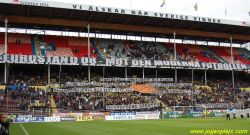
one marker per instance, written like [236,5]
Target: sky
[236,9]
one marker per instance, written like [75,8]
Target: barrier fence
[193,115]
[97,116]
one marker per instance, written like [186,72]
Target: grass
[181,126]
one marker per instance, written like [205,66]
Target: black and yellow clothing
[4,128]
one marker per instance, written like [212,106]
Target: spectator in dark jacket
[4,125]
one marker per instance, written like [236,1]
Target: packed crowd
[24,97]
[221,90]
[27,78]
[27,97]
[145,51]
[186,56]
[79,100]
[206,96]
[126,98]
[96,100]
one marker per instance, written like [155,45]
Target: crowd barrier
[112,116]
[194,115]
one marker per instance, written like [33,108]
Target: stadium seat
[24,48]
[69,44]
[127,45]
[60,51]
[195,50]
[24,38]
[2,49]
[225,53]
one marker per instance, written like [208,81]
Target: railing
[41,111]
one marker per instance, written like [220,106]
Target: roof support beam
[28,11]
[110,17]
[237,29]
[145,21]
[223,28]
[247,32]
[63,28]
[190,28]
[6,11]
[163,23]
[125,23]
[50,13]
[90,17]
[122,27]
[177,25]
[209,27]
[72,11]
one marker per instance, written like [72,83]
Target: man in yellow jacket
[204,113]
[12,118]
[208,113]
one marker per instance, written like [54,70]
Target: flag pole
[165,7]
[197,8]
[130,4]
[226,12]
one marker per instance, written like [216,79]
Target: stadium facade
[50,52]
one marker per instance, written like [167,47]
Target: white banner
[176,91]
[66,114]
[219,105]
[99,84]
[134,106]
[51,119]
[169,84]
[24,115]
[96,114]
[150,116]
[137,79]
[93,90]
[124,117]
[126,84]
[56,60]
[147,113]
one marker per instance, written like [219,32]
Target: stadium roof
[45,15]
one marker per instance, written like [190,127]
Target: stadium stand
[219,89]
[185,52]
[47,45]
[25,44]
[137,74]
[21,100]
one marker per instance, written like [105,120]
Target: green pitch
[180,126]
